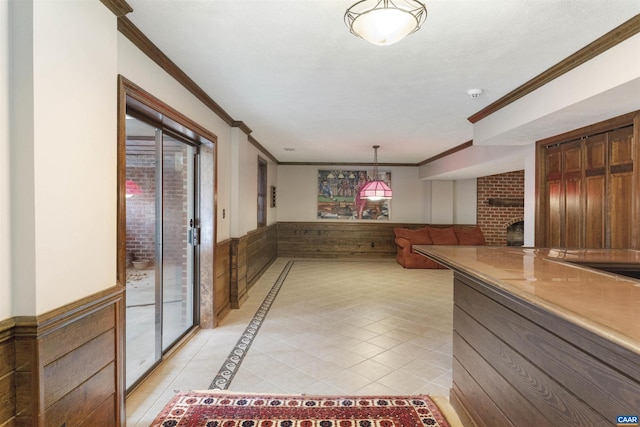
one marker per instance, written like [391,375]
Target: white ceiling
[292,72]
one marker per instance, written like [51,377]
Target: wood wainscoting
[338,239]
[239,263]
[7,374]
[238,271]
[262,250]
[64,368]
[222,284]
[517,364]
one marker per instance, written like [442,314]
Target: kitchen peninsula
[541,337]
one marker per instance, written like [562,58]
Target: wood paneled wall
[262,251]
[64,368]
[7,374]
[239,264]
[338,239]
[251,254]
[238,271]
[570,376]
[222,284]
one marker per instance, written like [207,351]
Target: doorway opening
[166,232]
[162,236]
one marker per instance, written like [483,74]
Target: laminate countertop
[561,281]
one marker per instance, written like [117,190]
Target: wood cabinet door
[588,187]
[620,194]
[573,221]
[555,200]
[595,191]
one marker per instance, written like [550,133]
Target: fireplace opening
[515,234]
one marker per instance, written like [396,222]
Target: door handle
[194,236]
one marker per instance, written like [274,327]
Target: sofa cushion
[416,237]
[470,236]
[443,236]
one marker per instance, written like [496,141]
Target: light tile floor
[336,327]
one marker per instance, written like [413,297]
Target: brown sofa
[405,239]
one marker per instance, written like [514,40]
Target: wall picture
[338,195]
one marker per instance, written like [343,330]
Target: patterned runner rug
[214,408]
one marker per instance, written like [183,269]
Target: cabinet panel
[620,187]
[553,163]
[620,224]
[596,152]
[572,155]
[595,212]
[554,219]
[596,156]
[573,213]
[621,142]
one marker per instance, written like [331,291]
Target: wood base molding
[65,367]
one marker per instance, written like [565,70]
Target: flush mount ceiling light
[385,22]
[376,189]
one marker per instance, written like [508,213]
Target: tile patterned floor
[335,327]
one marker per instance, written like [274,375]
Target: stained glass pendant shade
[376,189]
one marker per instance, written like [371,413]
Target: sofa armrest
[403,244]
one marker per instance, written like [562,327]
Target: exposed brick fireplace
[500,206]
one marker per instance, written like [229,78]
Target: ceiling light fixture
[385,22]
[375,189]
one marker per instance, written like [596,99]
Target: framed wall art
[338,196]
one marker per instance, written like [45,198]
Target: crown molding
[118,7]
[263,150]
[609,40]
[142,42]
[242,126]
[350,164]
[447,153]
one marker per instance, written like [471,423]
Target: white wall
[465,210]
[63,126]
[442,202]
[138,68]
[244,178]
[272,180]
[568,102]
[414,200]
[5,206]
[530,196]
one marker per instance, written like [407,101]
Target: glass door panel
[178,246]
[142,310]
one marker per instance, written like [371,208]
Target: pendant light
[376,189]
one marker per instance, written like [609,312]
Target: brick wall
[141,218]
[141,208]
[494,220]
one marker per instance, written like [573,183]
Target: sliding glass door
[162,243]
[179,237]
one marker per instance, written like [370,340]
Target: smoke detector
[474,93]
